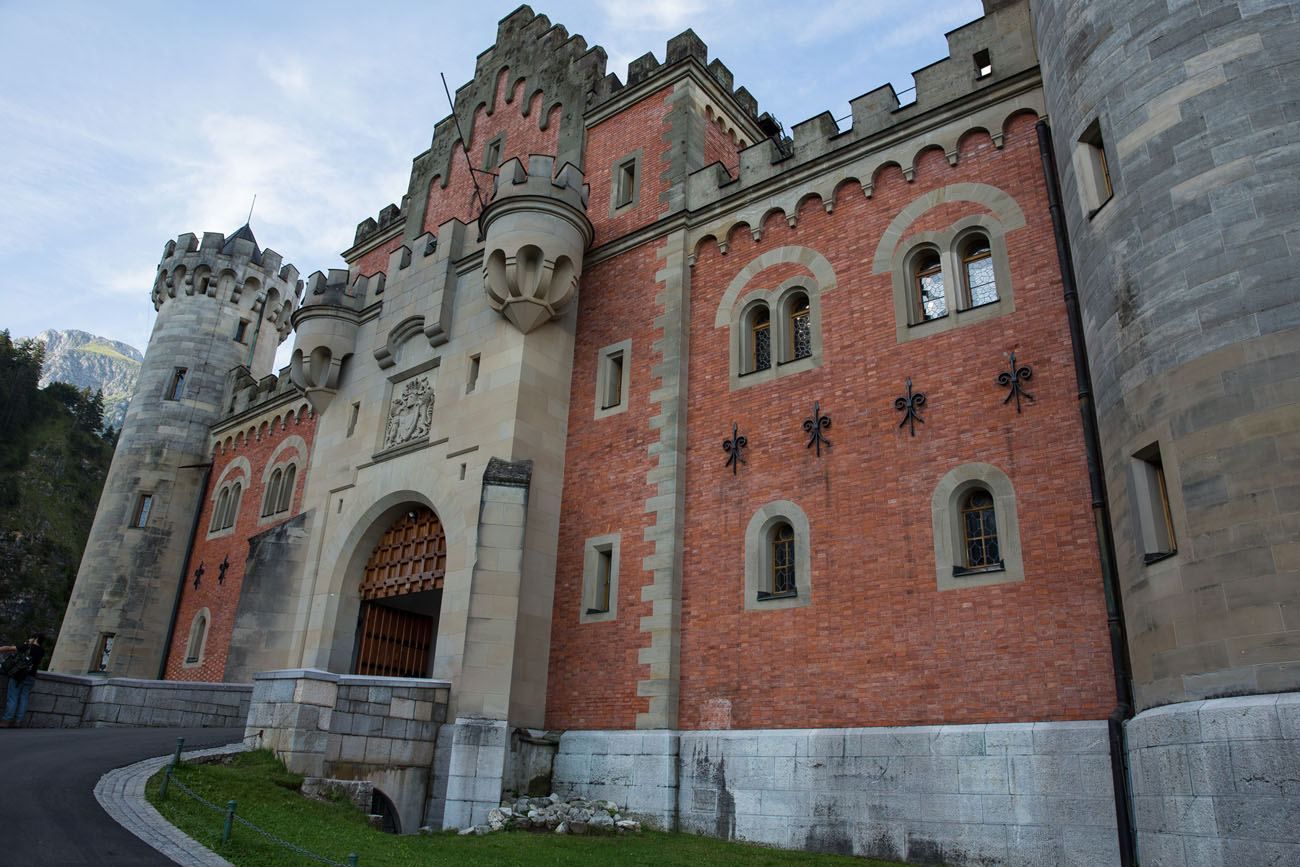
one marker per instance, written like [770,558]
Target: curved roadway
[47,803]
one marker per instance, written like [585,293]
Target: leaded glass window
[783,559]
[980,530]
[761,339]
[931,300]
[977,260]
[800,327]
[272,494]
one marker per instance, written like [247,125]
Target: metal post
[352,860]
[167,778]
[180,745]
[230,821]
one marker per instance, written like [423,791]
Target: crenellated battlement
[233,269]
[681,47]
[539,180]
[990,51]
[248,394]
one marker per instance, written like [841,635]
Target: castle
[925,486]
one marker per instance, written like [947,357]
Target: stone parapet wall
[1217,783]
[81,701]
[353,727]
[1020,793]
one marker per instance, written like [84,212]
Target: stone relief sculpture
[410,414]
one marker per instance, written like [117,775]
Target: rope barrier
[228,811]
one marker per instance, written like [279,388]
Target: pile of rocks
[553,813]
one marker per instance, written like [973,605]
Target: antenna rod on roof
[464,147]
[250,210]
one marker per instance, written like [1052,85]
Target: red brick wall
[639,126]
[523,137]
[222,599]
[879,645]
[593,666]
[719,147]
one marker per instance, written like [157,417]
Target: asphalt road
[48,811]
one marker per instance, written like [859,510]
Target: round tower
[1173,131]
[221,303]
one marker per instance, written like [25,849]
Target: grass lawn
[267,796]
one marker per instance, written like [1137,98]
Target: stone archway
[401,595]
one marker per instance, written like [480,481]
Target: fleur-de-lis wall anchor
[1014,380]
[732,447]
[814,425]
[198,575]
[221,570]
[910,405]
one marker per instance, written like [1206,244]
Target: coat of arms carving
[410,413]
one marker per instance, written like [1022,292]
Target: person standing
[21,668]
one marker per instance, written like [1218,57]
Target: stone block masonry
[352,727]
[81,701]
[1010,794]
[1217,783]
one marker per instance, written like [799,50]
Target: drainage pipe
[1100,511]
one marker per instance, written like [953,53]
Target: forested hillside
[54,456]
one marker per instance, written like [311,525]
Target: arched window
[286,489]
[927,286]
[781,568]
[198,635]
[980,284]
[979,530]
[219,513]
[760,338]
[798,327]
[232,507]
[272,494]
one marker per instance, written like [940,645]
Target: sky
[124,124]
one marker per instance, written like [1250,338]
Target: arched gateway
[401,595]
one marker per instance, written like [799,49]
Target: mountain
[88,361]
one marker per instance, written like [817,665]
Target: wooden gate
[410,558]
[394,643]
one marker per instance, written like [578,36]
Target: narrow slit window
[613,395]
[604,572]
[241,331]
[625,184]
[176,387]
[352,419]
[471,381]
[492,155]
[143,506]
[103,652]
[197,633]
[1092,169]
[1154,520]
[983,63]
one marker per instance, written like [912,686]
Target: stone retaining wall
[1013,794]
[76,701]
[1217,783]
[353,727]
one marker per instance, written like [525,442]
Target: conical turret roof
[243,233]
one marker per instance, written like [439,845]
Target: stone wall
[80,701]
[1217,783]
[352,727]
[1008,794]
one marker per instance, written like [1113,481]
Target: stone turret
[535,232]
[326,332]
[221,302]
